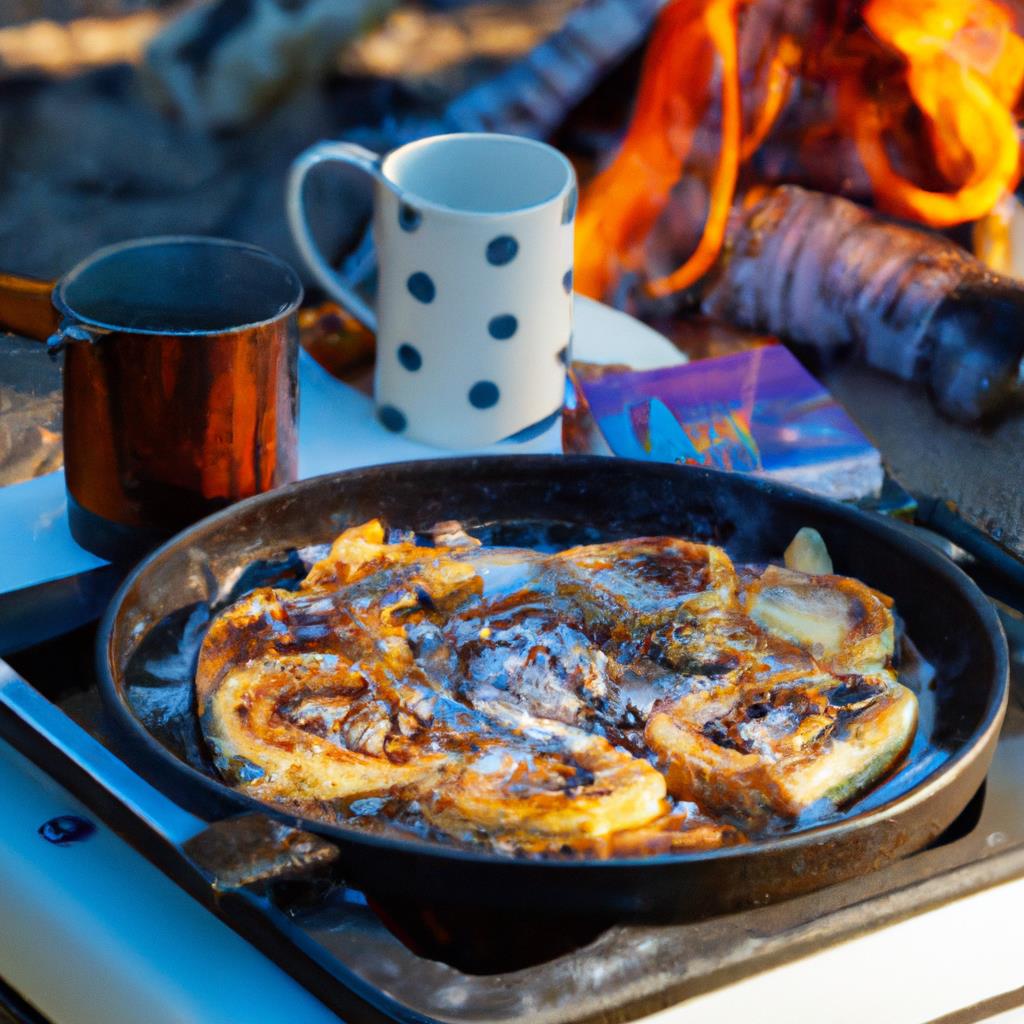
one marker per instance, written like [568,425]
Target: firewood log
[829,274]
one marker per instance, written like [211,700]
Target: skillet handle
[26,307]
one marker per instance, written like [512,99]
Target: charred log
[824,272]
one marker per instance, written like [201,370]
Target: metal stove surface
[633,970]
[339,949]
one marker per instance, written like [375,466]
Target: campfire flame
[965,65]
[925,89]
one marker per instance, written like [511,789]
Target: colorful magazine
[756,412]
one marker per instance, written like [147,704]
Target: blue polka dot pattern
[421,287]
[567,281]
[409,218]
[569,206]
[503,327]
[409,356]
[391,418]
[483,394]
[502,250]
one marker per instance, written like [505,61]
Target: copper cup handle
[70,330]
[26,307]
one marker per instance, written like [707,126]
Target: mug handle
[331,281]
[69,330]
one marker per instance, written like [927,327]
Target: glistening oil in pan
[160,689]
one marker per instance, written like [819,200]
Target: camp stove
[120,906]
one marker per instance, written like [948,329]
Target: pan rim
[970,749]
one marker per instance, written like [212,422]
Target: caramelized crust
[612,699]
[586,787]
[759,752]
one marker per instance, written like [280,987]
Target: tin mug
[474,239]
[180,382]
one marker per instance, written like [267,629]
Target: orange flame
[963,71]
[622,203]
[965,66]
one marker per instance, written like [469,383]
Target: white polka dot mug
[474,237]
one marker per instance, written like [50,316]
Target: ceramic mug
[474,237]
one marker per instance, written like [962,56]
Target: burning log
[533,96]
[922,94]
[826,273]
[925,90]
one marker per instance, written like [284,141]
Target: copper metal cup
[180,388]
